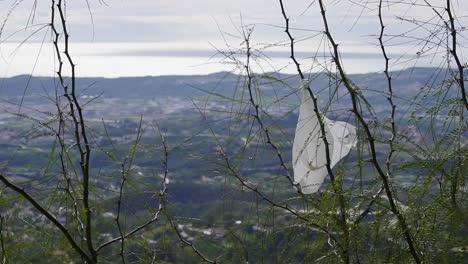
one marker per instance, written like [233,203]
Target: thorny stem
[188,243]
[60,135]
[117,219]
[291,41]
[386,182]
[272,144]
[126,167]
[257,109]
[265,198]
[461,81]
[453,51]
[138,228]
[77,115]
[392,117]
[161,206]
[390,91]
[254,189]
[366,211]
[338,190]
[49,216]
[84,153]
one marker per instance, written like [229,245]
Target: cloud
[173,28]
[212,53]
[167,19]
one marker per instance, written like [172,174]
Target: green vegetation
[211,207]
[153,170]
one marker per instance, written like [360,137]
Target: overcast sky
[179,36]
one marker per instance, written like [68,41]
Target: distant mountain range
[406,84]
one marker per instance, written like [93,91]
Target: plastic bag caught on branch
[309,156]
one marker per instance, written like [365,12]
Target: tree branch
[386,182]
[49,216]
[337,189]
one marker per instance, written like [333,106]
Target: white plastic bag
[309,156]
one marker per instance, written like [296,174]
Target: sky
[182,37]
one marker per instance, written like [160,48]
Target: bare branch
[386,182]
[161,206]
[49,216]
[77,115]
[453,51]
[337,189]
[188,243]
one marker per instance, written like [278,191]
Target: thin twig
[338,190]
[119,209]
[386,182]
[390,92]
[161,205]
[49,216]
[232,169]
[366,211]
[254,189]
[188,243]
[256,106]
[126,167]
[453,51]
[77,115]
[60,135]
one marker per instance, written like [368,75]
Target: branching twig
[161,206]
[369,206]
[126,167]
[49,216]
[188,243]
[232,169]
[119,209]
[60,135]
[450,27]
[257,108]
[386,181]
[76,113]
[265,198]
[390,91]
[392,117]
[453,51]
[342,220]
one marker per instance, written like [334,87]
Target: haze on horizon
[144,37]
